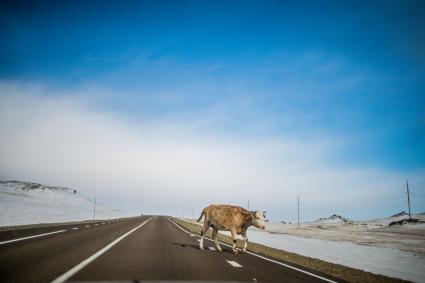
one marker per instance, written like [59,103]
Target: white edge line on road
[233,263]
[30,237]
[75,228]
[262,257]
[88,260]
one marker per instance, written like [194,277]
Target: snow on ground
[334,219]
[386,261]
[396,251]
[29,203]
[409,237]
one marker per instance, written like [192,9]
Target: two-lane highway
[42,259]
[144,248]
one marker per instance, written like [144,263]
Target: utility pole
[94,209]
[192,214]
[248,203]
[408,197]
[298,210]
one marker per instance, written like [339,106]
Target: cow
[230,218]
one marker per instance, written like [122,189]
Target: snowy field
[28,203]
[386,261]
[377,232]
[396,251]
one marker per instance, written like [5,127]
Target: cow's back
[224,217]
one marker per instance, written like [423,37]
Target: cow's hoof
[219,250]
[201,248]
[235,252]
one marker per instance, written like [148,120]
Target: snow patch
[31,203]
[332,219]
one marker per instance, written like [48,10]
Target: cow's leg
[245,244]
[234,236]
[215,236]
[203,232]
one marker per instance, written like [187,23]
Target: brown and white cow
[230,218]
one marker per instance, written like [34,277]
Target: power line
[335,86]
[345,99]
[233,67]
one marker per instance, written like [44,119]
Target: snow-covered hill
[403,213]
[332,220]
[30,203]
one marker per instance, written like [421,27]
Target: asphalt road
[142,248]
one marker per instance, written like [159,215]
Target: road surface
[139,248]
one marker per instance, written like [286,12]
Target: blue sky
[345,79]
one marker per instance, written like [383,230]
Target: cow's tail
[202,214]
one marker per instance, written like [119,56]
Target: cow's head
[258,218]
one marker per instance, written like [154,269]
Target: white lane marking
[262,257]
[211,248]
[233,263]
[30,237]
[75,228]
[88,260]
[96,224]
[87,226]
[103,223]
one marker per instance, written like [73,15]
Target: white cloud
[166,166]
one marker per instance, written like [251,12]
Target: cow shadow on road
[196,247]
[184,245]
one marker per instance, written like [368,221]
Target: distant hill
[403,213]
[30,203]
[332,219]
